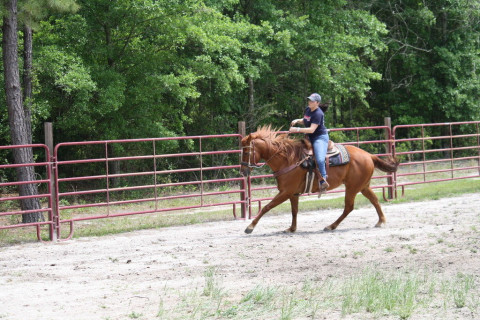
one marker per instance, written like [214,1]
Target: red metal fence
[145,180]
[436,152]
[203,171]
[11,218]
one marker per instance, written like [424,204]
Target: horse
[284,155]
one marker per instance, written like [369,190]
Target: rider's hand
[294,130]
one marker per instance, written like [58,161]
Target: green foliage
[429,72]
[130,69]
[32,11]
[69,80]
[124,70]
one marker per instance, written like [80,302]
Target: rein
[289,168]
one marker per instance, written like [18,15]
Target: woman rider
[314,121]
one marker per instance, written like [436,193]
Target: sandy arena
[125,276]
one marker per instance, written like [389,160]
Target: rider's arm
[296,121]
[310,129]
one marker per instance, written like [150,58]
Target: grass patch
[438,190]
[151,221]
[399,294]
[421,192]
[377,293]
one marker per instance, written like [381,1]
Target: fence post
[478,144]
[388,149]
[243,182]
[51,167]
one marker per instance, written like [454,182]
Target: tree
[150,69]
[19,109]
[32,11]
[325,46]
[19,131]
[429,73]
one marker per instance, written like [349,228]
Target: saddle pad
[341,158]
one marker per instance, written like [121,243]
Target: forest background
[111,69]
[122,69]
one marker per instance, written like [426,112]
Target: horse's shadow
[300,233]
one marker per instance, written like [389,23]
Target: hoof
[380,225]
[248,230]
[289,230]
[329,228]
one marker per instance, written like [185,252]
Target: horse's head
[251,154]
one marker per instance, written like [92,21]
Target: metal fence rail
[11,202]
[132,177]
[436,152]
[152,193]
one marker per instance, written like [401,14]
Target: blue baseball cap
[315,97]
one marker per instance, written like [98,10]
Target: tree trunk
[27,78]
[16,114]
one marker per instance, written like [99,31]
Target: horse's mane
[281,143]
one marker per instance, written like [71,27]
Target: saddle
[337,155]
[308,160]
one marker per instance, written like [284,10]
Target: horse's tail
[388,165]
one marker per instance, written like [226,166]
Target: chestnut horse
[281,152]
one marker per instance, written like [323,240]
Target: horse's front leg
[279,198]
[294,204]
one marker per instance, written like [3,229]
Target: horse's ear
[246,140]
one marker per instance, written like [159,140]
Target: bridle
[251,164]
[251,159]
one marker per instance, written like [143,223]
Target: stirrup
[323,187]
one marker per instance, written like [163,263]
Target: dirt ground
[124,276]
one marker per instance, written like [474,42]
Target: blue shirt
[316,117]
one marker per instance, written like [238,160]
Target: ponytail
[324,106]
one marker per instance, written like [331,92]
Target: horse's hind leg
[349,201]
[370,195]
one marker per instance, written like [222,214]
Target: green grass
[421,192]
[378,293]
[102,227]
[400,293]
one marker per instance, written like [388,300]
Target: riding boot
[322,183]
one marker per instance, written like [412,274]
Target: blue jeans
[320,145]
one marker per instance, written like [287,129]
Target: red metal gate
[436,152]
[9,202]
[197,174]
[144,180]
